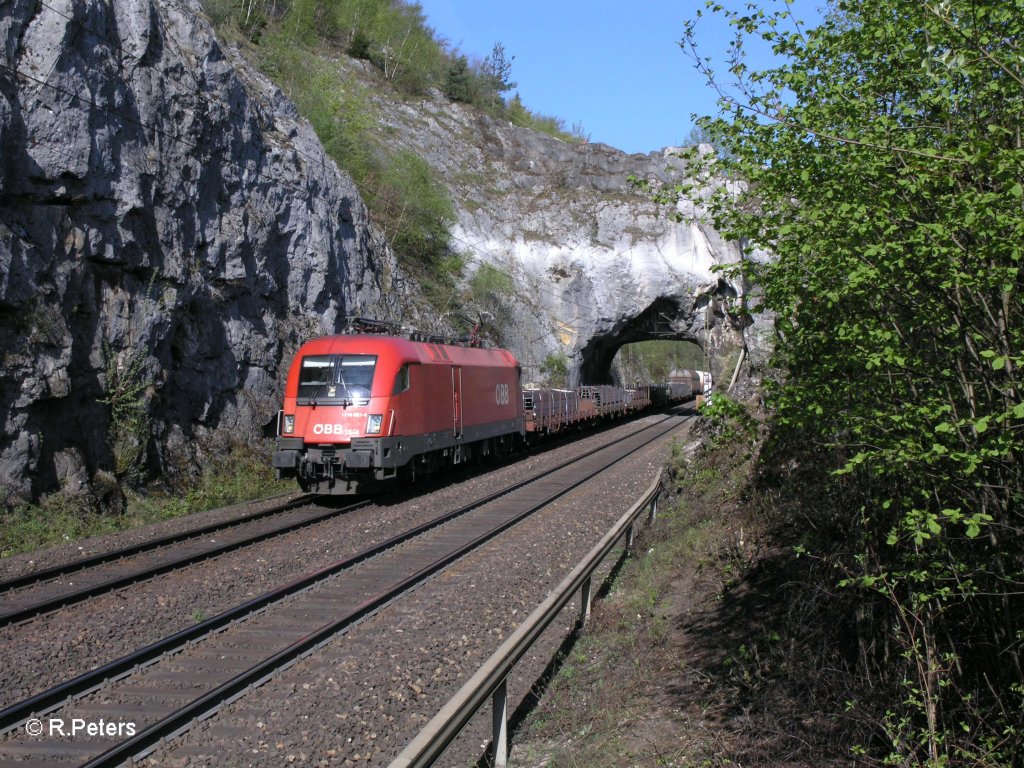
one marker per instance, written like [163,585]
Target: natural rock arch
[702,320]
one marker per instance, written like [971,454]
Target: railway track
[170,684]
[29,595]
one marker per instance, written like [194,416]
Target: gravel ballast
[362,697]
[44,652]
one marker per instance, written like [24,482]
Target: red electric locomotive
[364,407]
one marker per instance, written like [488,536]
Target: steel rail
[103,558]
[76,596]
[177,722]
[435,737]
[45,574]
[51,698]
[124,580]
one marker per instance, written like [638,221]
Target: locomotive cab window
[336,379]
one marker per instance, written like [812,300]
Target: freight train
[372,405]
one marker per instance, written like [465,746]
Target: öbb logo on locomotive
[366,406]
[334,429]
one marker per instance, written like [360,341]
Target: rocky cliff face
[171,229]
[168,223]
[595,264]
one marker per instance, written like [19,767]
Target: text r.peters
[80,727]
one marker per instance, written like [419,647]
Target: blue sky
[616,67]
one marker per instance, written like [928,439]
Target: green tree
[555,369]
[497,67]
[883,165]
[495,73]
[458,82]
[489,281]
[296,42]
[653,361]
[406,50]
[517,112]
[417,212]
[700,135]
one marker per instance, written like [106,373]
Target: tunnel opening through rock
[665,337]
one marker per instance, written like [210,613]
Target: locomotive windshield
[336,379]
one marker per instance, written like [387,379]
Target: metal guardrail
[490,679]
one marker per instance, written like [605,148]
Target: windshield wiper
[316,393]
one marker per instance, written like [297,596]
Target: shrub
[417,210]
[555,369]
[403,194]
[882,166]
[128,433]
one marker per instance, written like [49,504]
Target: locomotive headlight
[289,425]
[373,423]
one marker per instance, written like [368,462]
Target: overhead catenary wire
[194,146]
[200,94]
[172,137]
[540,288]
[200,90]
[168,135]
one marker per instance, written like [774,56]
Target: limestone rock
[71,471]
[166,213]
[169,222]
[594,263]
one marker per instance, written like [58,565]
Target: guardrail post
[631,535]
[585,601]
[499,722]
[491,679]
[653,514]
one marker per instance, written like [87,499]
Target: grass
[606,706]
[242,475]
[55,520]
[708,650]
[590,714]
